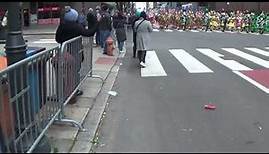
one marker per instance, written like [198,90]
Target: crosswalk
[193,65]
[45,41]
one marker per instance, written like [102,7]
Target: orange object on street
[110,46]
[3,62]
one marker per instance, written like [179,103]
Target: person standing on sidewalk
[70,28]
[119,24]
[134,19]
[142,28]
[105,27]
[82,19]
[92,20]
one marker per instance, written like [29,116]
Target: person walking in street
[70,28]
[134,19]
[105,27]
[143,28]
[118,23]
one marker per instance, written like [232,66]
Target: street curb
[97,111]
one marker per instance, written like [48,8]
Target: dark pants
[134,46]
[224,25]
[97,38]
[120,45]
[142,55]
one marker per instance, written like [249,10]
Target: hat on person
[71,15]
[143,15]
[137,13]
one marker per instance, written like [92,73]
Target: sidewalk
[40,30]
[89,107]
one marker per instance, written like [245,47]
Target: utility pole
[16,51]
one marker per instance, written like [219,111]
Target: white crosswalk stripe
[189,62]
[249,57]
[153,66]
[259,51]
[233,65]
[168,30]
[45,41]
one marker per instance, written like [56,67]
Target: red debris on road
[210,107]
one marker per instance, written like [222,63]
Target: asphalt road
[166,113]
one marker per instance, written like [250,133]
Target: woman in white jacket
[143,28]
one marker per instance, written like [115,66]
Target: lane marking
[153,66]
[249,57]
[45,41]
[189,62]
[168,30]
[156,30]
[231,64]
[258,85]
[217,31]
[195,31]
[259,51]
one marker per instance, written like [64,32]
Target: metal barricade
[35,90]
[26,107]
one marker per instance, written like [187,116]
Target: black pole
[15,44]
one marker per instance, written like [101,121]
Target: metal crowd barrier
[34,91]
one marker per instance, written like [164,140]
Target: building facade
[33,13]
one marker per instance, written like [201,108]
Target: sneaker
[142,64]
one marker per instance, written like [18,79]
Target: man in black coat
[91,18]
[70,28]
[135,18]
[105,27]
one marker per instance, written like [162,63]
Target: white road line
[217,31]
[249,57]
[45,41]
[267,48]
[156,30]
[231,64]
[180,30]
[153,66]
[259,51]
[168,30]
[189,62]
[195,31]
[266,90]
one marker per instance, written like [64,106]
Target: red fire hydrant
[110,46]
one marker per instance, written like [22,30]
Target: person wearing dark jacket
[70,28]
[135,18]
[105,27]
[92,20]
[118,23]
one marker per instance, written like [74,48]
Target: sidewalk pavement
[89,108]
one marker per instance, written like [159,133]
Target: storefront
[49,14]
